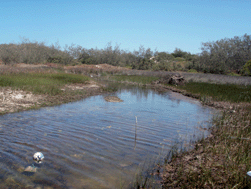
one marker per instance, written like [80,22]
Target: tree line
[221,56]
[33,53]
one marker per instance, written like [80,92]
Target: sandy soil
[18,100]
[15,100]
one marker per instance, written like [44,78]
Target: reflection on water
[93,143]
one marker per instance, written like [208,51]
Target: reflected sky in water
[96,144]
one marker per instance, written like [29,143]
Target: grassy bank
[219,92]
[223,159]
[219,161]
[38,83]
[24,89]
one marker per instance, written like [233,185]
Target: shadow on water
[97,144]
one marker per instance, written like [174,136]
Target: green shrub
[180,59]
[233,74]
[192,71]
[246,70]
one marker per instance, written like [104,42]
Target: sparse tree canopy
[225,54]
[222,56]
[33,53]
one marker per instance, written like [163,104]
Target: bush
[192,71]
[246,70]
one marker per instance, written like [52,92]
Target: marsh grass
[219,92]
[40,83]
[221,161]
[134,78]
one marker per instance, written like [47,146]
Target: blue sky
[157,24]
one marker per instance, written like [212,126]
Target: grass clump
[41,83]
[220,92]
[134,78]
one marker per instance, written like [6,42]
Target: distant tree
[164,56]
[32,53]
[179,53]
[225,55]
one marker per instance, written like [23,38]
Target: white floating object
[249,173]
[38,157]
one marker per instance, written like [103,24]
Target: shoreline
[16,100]
[190,169]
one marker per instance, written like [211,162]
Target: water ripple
[93,143]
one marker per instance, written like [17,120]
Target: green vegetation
[134,78]
[225,55]
[233,74]
[246,70]
[192,71]
[40,83]
[220,92]
[229,55]
[221,161]
[34,53]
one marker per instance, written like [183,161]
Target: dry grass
[219,161]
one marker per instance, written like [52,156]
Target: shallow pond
[94,143]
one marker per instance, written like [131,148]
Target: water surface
[93,143]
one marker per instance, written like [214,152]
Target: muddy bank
[14,100]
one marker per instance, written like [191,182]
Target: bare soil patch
[89,85]
[15,100]
[18,100]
